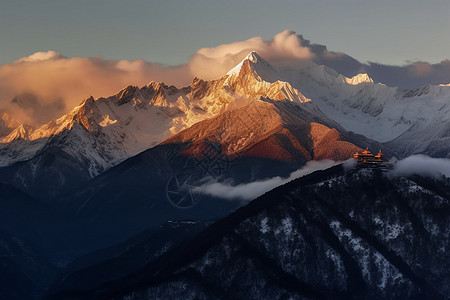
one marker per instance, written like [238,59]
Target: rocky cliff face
[333,234]
[282,131]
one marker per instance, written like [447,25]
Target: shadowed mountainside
[329,235]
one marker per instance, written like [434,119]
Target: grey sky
[169,31]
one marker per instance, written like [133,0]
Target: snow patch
[264,227]
[287,226]
[388,231]
[107,121]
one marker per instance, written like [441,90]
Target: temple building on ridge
[367,159]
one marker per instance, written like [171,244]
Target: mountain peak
[259,67]
[254,57]
[23,132]
[359,78]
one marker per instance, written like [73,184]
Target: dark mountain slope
[104,265]
[24,272]
[29,218]
[329,235]
[141,193]
[57,169]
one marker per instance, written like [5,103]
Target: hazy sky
[169,31]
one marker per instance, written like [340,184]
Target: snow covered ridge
[411,121]
[105,131]
[115,128]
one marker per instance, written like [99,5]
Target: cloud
[48,78]
[422,165]
[40,56]
[53,79]
[33,110]
[414,165]
[255,189]
[411,75]
[211,63]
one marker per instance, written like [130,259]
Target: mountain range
[100,133]
[138,162]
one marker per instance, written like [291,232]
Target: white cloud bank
[422,165]
[414,165]
[255,189]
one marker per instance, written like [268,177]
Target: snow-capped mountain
[100,133]
[278,123]
[105,131]
[408,121]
